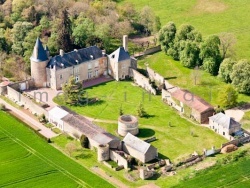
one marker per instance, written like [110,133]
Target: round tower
[127,124]
[103,152]
[38,62]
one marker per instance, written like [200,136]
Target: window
[96,64]
[96,73]
[76,70]
[89,65]
[89,75]
[224,133]
[77,78]
[61,77]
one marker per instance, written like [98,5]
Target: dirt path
[29,120]
[109,178]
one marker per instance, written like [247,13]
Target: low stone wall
[168,85]
[120,160]
[154,76]
[25,102]
[143,82]
[22,85]
[152,50]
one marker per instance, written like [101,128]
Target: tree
[70,148]
[189,56]
[84,141]
[241,76]
[228,96]
[196,75]
[73,92]
[210,54]
[64,32]
[141,111]
[19,32]
[147,19]
[84,28]
[227,42]
[226,69]
[167,35]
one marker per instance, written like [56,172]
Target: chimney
[61,52]
[125,42]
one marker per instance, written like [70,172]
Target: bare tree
[196,75]
[227,42]
[70,148]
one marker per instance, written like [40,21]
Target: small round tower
[103,152]
[127,124]
[38,62]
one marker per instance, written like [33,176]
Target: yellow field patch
[209,6]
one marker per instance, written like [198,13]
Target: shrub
[2,107]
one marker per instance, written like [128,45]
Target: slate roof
[119,55]
[191,100]
[89,129]
[75,57]
[136,143]
[225,121]
[39,54]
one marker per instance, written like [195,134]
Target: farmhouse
[139,149]
[225,125]
[83,64]
[189,104]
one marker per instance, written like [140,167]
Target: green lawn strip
[45,156]
[223,16]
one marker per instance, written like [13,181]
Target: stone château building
[83,64]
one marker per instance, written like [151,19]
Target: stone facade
[154,76]
[83,64]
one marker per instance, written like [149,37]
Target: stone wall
[154,76]
[120,160]
[26,102]
[152,50]
[143,82]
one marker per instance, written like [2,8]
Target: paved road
[28,119]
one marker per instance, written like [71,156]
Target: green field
[171,142]
[208,16]
[232,175]
[28,161]
[207,86]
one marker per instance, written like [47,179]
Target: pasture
[28,161]
[208,16]
[163,121]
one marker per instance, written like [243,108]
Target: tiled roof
[225,121]
[136,143]
[39,54]
[119,55]
[89,129]
[75,57]
[191,100]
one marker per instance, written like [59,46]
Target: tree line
[65,24]
[212,54]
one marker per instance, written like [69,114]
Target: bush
[84,141]
[2,107]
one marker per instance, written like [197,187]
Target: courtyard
[163,122]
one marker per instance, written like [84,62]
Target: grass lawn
[171,142]
[246,121]
[207,86]
[208,16]
[26,160]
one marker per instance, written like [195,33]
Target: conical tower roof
[39,54]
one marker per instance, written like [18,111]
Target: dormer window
[91,57]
